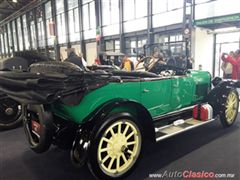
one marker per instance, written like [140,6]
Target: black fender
[222,87]
[95,120]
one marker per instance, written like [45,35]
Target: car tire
[10,111]
[229,108]
[38,128]
[32,56]
[116,147]
[54,67]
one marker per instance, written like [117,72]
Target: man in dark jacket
[74,58]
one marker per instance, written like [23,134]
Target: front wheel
[229,109]
[116,148]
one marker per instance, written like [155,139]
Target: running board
[178,127]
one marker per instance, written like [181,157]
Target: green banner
[217,20]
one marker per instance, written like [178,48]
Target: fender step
[178,127]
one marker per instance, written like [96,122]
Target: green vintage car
[106,116]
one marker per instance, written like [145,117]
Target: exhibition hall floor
[210,149]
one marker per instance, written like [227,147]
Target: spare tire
[38,127]
[50,67]
[32,56]
[14,63]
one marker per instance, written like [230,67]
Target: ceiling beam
[11,4]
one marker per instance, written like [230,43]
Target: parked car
[104,117]
[10,109]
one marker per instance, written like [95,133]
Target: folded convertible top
[37,88]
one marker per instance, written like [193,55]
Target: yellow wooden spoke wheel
[119,147]
[231,107]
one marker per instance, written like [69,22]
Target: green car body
[105,116]
[157,95]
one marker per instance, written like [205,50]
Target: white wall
[202,49]
[91,52]
[63,53]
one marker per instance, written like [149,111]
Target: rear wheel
[116,148]
[38,128]
[229,109]
[10,114]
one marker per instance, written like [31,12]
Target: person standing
[227,67]
[74,58]
[127,64]
[237,56]
[234,62]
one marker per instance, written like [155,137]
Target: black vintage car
[10,110]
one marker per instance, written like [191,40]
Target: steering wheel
[146,63]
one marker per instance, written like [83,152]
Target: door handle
[146,90]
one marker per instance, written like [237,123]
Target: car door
[156,95]
[182,91]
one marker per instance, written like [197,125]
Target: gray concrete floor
[209,148]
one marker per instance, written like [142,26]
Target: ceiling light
[15,1]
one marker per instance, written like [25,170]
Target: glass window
[14,35]
[112,45]
[109,45]
[160,38]
[216,8]
[2,43]
[200,1]
[61,26]
[159,7]
[25,31]
[170,44]
[135,25]
[110,17]
[117,46]
[175,4]
[135,43]
[59,6]
[166,5]
[168,18]
[86,1]
[32,30]
[40,26]
[135,15]
[5,40]
[48,10]
[89,19]
[49,23]
[72,4]
[141,8]
[73,19]
[10,38]
[128,9]
[110,12]
[20,36]
[130,45]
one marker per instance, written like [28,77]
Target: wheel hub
[9,111]
[118,142]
